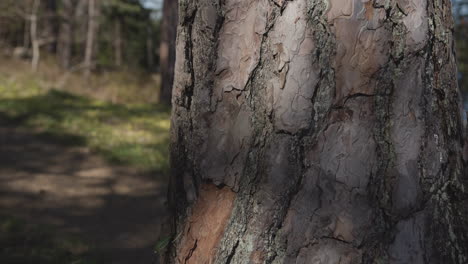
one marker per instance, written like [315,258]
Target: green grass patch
[125,133]
[21,243]
[130,134]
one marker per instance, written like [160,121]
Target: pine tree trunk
[118,42]
[27,34]
[65,41]
[90,38]
[34,35]
[167,48]
[51,29]
[150,47]
[313,131]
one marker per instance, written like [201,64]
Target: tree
[13,28]
[51,25]
[123,40]
[128,32]
[65,41]
[34,35]
[308,132]
[167,48]
[38,39]
[120,14]
[93,15]
[149,47]
[118,42]
[461,29]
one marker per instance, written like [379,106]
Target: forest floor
[82,180]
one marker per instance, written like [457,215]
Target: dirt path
[117,209]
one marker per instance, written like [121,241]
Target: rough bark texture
[167,48]
[336,124]
[65,40]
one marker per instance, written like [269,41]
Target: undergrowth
[113,114]
[22,243]
[134,134]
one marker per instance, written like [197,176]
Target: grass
[113,115]
[21,243]
[131,134]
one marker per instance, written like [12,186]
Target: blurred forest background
[105,41]
[89,82]
[460,11]
[109,43]
[85,88]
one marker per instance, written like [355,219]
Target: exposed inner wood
[205,226]
[336,122]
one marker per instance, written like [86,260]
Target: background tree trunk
[167,48]
[27,34]
[34,35]
[51,24]
[150,48]
[90,38]
[314,131]
[118,42]
[66,33]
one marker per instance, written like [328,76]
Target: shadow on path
[119,210]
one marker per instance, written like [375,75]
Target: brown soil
[119,210]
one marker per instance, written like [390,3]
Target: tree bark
[313,131]
[34,35]
[90,38]
[150,47]
[167,48]
[51,29]
[65,41]
[27,34]
[118,42]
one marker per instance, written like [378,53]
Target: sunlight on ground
[115,116]
[23,243]
[131,134]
